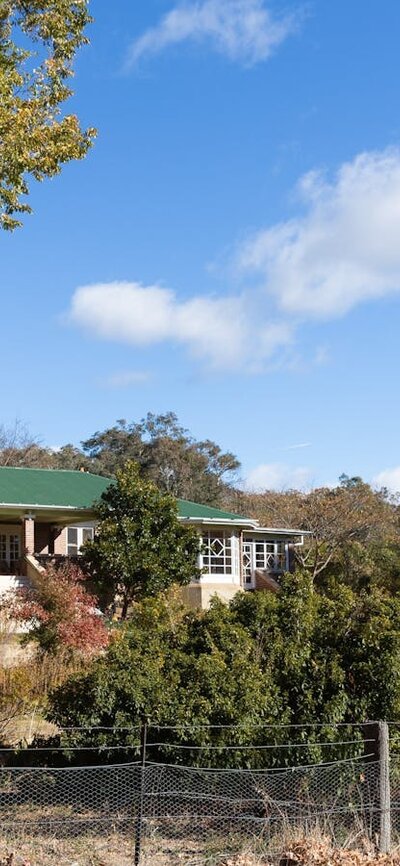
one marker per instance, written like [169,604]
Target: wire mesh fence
[199,813]
[53,816]
[173,815]
[152,813]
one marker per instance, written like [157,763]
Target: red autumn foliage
[60,612]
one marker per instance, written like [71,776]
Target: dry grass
[24,688]
[24,729]
[116,849]
[317,853]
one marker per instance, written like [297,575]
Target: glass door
[10,551]
[248,564]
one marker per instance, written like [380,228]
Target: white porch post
[235,557]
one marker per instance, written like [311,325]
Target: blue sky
[230,249]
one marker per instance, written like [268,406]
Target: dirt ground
[117,850]
[87,851]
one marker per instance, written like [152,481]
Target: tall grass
[24,689]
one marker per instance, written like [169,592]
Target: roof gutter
[33,506]
[273,530]
[221,521]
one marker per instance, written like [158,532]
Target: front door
[264,555]
[10,549]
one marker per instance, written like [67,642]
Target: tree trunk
[125,606]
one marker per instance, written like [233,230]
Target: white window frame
[10,545]
[220,554]
[80,530]
[265,554]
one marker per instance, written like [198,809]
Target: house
[47,514]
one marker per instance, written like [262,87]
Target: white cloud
[343,251]
[297,446]
[389,478]
[278,476]
[220,331]
[126,379]
[243,30]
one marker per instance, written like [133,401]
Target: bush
[264,660]
[60,613]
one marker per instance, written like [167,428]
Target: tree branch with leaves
[338,518]
[38,43]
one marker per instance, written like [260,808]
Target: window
[76,536]
[87,533]
[263,555]
[220,553]
[72,541]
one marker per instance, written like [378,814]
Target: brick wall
[60,543]
[28,537]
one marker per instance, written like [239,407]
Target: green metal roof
[58,488]
[64,488]
[202,512]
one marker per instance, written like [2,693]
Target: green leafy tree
[167,454]
[38,43]
[334,655]
[175,668]
[140,547]
[296,657]
[70,457]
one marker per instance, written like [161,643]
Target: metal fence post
[384,789]
[139,817]
[376,735]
